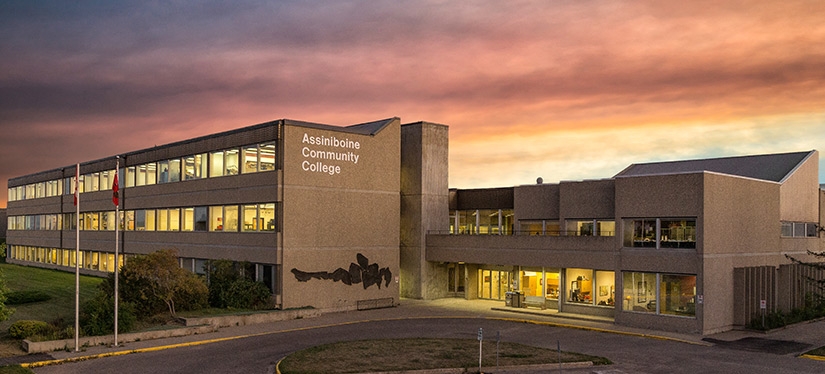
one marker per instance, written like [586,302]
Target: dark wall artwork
[363,272]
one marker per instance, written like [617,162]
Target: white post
[479,348]
[77,261]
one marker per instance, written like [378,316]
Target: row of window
[673,294]
[799,229]
[91,260]
[243,160]
[660,233]
[230,218]
[105,262]
[482,222]
[578,227]
[658,293]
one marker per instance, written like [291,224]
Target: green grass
[15,369]
[59,285]
[419,354]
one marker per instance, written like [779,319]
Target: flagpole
[77,260]
[116,201]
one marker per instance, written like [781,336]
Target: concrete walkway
[809,335]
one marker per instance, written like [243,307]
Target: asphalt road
[630,354]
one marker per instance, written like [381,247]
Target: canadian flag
[115,190]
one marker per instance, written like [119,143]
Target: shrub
[229,288]
[24,328]
[25,297]
[246,294]
[97,315]
[192,293]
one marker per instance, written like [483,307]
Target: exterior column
[424,207]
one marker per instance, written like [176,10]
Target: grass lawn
[420,354]
[59,285]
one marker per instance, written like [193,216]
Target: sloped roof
[771,167]
[368,128]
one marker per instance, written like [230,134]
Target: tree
[818,297]
[157,278]
[5,311]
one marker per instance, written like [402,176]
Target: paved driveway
[256,349]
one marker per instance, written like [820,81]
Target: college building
[356,217]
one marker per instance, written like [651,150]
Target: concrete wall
[535,202]
[587,199]
[799,192]
[424,207]
[346,220]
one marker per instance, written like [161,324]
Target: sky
[563,90]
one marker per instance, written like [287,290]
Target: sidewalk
[810,334]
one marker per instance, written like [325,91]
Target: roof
[369,128]
[770,167]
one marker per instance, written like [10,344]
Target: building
[342,218]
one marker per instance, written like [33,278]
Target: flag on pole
[115,190]
[76,183]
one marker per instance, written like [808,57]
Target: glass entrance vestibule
[549,288]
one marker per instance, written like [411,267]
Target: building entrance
[493,284]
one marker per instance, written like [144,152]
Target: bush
[193,293]
[97,315]
[156,282]
[246,294]
[25,297]
[24,329]
[229,288]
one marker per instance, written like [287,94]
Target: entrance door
[455,279]
[493,284]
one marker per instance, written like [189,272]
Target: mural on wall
[362,272]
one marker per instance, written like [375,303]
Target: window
[580,283]
[231,162]
[215,218]
[668,294]
[174,170]
[677,233]
[258,217]
[145,220]
[250,218]
[580,228]
[195,167]
[187,219]
[267,217]
[799,229]
[678,295]
[216,164]
[163,172]
[266,157]
[531,228]
[660,233]
[230,218]
[201,218]
[107,221]
[107,178]
[130,177]
[250,159]
[168,171]
[129,220]
[168,219]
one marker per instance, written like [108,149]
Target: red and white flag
[76,182]
[115,190]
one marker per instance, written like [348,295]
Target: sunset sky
[565,90]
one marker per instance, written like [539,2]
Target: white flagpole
[117,239]
[77,261]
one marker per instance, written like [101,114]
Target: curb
[210,341]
